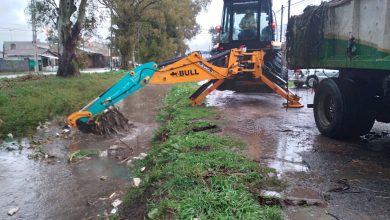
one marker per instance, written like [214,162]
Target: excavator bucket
[101,117]
[111,121]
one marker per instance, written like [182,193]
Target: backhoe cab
[246,22]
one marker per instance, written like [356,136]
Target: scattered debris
[201,148]
[334,216]
[113,195]
[116,203]
[103,178]
[290,201]
[13,211]
[39,153]
[136,182]
[215,128]
[29,77]
[373,136]
[11,146]
[345,186]
[115,147]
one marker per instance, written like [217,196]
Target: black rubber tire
[273,60]
[313,79]
[340,111]
[298,84]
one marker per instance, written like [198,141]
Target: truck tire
[311,81]
[340,111]
[298,84]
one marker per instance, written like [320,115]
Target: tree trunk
[69,36]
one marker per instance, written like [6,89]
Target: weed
[194,173]
[81,154]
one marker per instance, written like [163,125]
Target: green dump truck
[352,36]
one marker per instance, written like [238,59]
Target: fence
[14,65]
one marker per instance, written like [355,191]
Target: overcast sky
[14,23]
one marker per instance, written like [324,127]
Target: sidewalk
[92,70]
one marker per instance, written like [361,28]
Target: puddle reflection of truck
[352,36]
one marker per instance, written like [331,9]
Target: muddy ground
[53,188]
[347,179]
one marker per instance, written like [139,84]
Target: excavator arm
[191,68]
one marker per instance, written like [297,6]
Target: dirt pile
[111,121]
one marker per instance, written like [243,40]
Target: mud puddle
[52,188]
[312,165]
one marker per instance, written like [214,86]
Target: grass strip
[196,174]
[25,103]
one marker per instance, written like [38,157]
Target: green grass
[291,84]
[198,174]
[23,104]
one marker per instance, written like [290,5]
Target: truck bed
[341,34]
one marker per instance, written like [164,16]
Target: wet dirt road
[347,179]
[53,188]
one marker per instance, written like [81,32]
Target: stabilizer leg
[198,97]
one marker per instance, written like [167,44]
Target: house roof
[25,52]
[25,49]
[95,47]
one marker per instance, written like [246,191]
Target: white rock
[116,203]
[271,194]
[103,178]
[114,147]
[66,131]
[136,158]
[10,135]
[136,182]
[114,211]
[142,156]
[103,153]
[57,134]
[143,169]
[129,163]
[12,211]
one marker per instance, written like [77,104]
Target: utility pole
[110,50]
[289,9]
[281,25]
[34,32]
